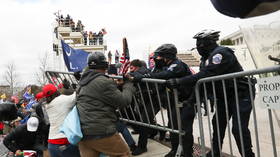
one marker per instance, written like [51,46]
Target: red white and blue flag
[125,58]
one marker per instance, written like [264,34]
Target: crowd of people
[90,38]
[93,38]
[69,22]
[23,124]
[98,97]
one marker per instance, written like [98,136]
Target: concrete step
[189,59]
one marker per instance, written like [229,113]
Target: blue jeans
[121,127]
[68,150]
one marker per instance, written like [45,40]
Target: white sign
[269,92]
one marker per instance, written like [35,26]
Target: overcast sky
[26,26]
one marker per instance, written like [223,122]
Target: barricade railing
[153,103]
[232,100]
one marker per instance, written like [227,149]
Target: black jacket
[220,61]
[176,69]
[19,139]
[8,111]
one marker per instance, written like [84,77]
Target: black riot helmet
[97,60]
[206,41]
[208,35]
[168,51]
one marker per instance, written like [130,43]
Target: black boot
[132,147]
[139,151]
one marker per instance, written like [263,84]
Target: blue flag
[75,59]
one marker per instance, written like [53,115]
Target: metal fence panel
[226,95]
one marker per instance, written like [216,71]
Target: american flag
[103,31]
[124,58]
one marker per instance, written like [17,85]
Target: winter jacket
[21,139]
[57,111]
[97,100]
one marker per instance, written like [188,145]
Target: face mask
[203,52]
[159,63]
[204,47]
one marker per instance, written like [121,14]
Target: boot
[139,151]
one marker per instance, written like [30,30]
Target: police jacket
[176,69]
[97,100]
[220,61]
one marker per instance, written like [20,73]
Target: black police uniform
[223,61]
[177,69]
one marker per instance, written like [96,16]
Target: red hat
[49,90]
[39,95]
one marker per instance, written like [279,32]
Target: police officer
[175,68]
[217,60]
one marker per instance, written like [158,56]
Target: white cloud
[26,26]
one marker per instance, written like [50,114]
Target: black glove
[125,78]
[173,83]
[77,75]
[66,84]
[137,77]
[74,86]
[148,75]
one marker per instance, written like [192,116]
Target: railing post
[197,95]
[179,121]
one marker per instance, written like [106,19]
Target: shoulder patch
[217,59]
[206,62]
[171,67]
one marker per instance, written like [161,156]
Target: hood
[89,75]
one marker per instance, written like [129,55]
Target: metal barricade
[151,98]
[58,78]
[225,94]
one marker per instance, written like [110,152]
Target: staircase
[190,59]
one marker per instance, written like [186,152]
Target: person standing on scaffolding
[85,35]
[94,38]
[100,37]
[90,38]
[218,60]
